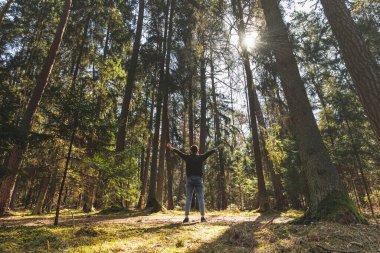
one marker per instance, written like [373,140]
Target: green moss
[336,207]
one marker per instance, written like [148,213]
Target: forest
[93,91]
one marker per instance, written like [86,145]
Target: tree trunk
[325,188]
[51,192]
[144,182]
[42,194]
[89,194]
[5,9]
[222,194]
[120,137]
[275,178]
[203,129]
[361,64]
[152,201]
[263,196]
[170,166]
[13,163]
[68,158]
[165,93]
[190,112]
[181,186]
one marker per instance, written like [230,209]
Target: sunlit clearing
[250,40]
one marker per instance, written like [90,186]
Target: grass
[251,232]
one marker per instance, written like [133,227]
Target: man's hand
[169,146]
[220,147]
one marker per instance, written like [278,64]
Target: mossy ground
[335,207]
[137,231]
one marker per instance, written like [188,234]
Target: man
[194,176]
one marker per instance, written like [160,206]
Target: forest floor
[138,231]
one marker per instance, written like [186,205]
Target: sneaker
[186,220]
[203,219]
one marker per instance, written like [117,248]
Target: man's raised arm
[212,151]
[179,153]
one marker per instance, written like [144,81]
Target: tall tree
[14,160]
[263,196]
[129,87]
[152,196]
[361,64]
[328,198]
[165,104]
[203,128]
[222,194]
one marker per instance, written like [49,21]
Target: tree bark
[147,159]
[325,187]
[361,64]
[14,160]
[42,194]
[203,128]
[275,178]
[51,192]
[121,133]
[68,158]
[263,196]
[222,194]
[152,197]
[170,166]
[165,94]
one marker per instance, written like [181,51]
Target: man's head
[194,149]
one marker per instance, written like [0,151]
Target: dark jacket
[194,162]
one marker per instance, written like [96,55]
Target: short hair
[194,149]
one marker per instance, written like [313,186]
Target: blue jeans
[194,182]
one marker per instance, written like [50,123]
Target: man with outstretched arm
[194,176]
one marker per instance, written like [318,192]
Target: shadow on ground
[240,237]
[71,220]
[266,235]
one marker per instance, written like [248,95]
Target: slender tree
[129,87]
[361,64]
[152,196]
[14,160]
[165,94]
[263,196]
[222,193]
[203,127]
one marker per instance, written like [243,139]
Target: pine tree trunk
[165,93]
[170,166]
[5,9]
[263,196]
[190,112]
[51,192]
[42,194]
[181,186]
[325,187]
[203,128]
[68,158]
[121,133]
[15,158]
[89,194]
[361,64]
[275,178]
[222,194]
[144,186]
[152,196]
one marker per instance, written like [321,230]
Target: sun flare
[250,40]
